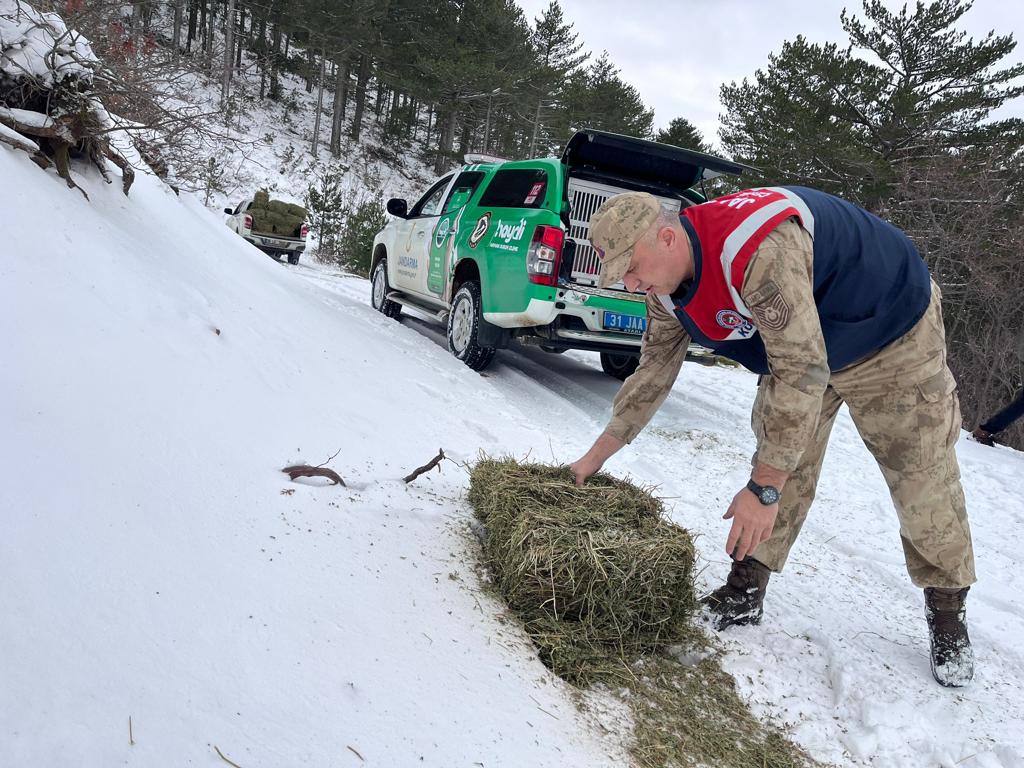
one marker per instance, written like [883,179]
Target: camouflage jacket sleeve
[778,290]
[661,356]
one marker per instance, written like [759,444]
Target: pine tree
[597,97]
[558,56]
[682,133]
[821,115]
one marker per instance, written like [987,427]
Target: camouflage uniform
[902,400]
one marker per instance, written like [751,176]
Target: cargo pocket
[757,417]
[938,418]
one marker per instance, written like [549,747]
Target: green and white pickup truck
[499,249]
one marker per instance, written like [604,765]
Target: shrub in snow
[363,221]
[325,201]
[211,180]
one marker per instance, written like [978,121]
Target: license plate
[614,321]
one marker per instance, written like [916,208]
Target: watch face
[769,495]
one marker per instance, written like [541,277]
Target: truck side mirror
[398,207]
[229,211]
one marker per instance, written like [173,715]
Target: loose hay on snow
[603,585]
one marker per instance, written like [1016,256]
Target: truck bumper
[275,247]
[568,323]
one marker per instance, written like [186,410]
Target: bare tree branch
[426,467]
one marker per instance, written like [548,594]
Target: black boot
[740,599]
[952,655]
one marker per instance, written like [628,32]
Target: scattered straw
[226,760]
[604,585]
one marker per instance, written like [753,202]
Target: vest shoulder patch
[769,307]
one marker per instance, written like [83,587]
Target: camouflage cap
[616,227]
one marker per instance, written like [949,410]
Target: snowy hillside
[157,566]
[271,148]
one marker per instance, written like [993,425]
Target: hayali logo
[442,232]
[480,230]
[509,232]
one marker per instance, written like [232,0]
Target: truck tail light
[247,221]
[544,257]
[304,231]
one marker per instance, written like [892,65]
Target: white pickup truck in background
[277,228]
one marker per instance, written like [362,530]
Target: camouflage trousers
[903,402]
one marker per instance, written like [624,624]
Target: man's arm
[661,356]
[778,288]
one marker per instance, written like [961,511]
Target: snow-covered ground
[156,564]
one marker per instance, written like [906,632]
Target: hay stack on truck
[277,228]
[499,250]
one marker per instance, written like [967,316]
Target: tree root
[304,470]
[62,135]
[127,172]
[26,145]
[63,162]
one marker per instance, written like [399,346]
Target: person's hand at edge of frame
[752,523]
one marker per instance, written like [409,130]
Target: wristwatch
[766,494]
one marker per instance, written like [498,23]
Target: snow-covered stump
[47,106]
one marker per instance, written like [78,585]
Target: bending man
[830,304]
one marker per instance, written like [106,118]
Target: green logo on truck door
[443,228]
[440,249]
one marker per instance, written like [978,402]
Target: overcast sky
[678,53]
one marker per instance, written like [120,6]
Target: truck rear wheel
[293,258]
[464,328]
[619,366]
[380,289]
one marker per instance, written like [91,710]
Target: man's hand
[594,459]
[584,467]
[752,523]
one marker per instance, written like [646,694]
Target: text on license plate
[613,321]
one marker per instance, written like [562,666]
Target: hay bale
[271,222]
[287,209]
[594,572]
[275,217]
